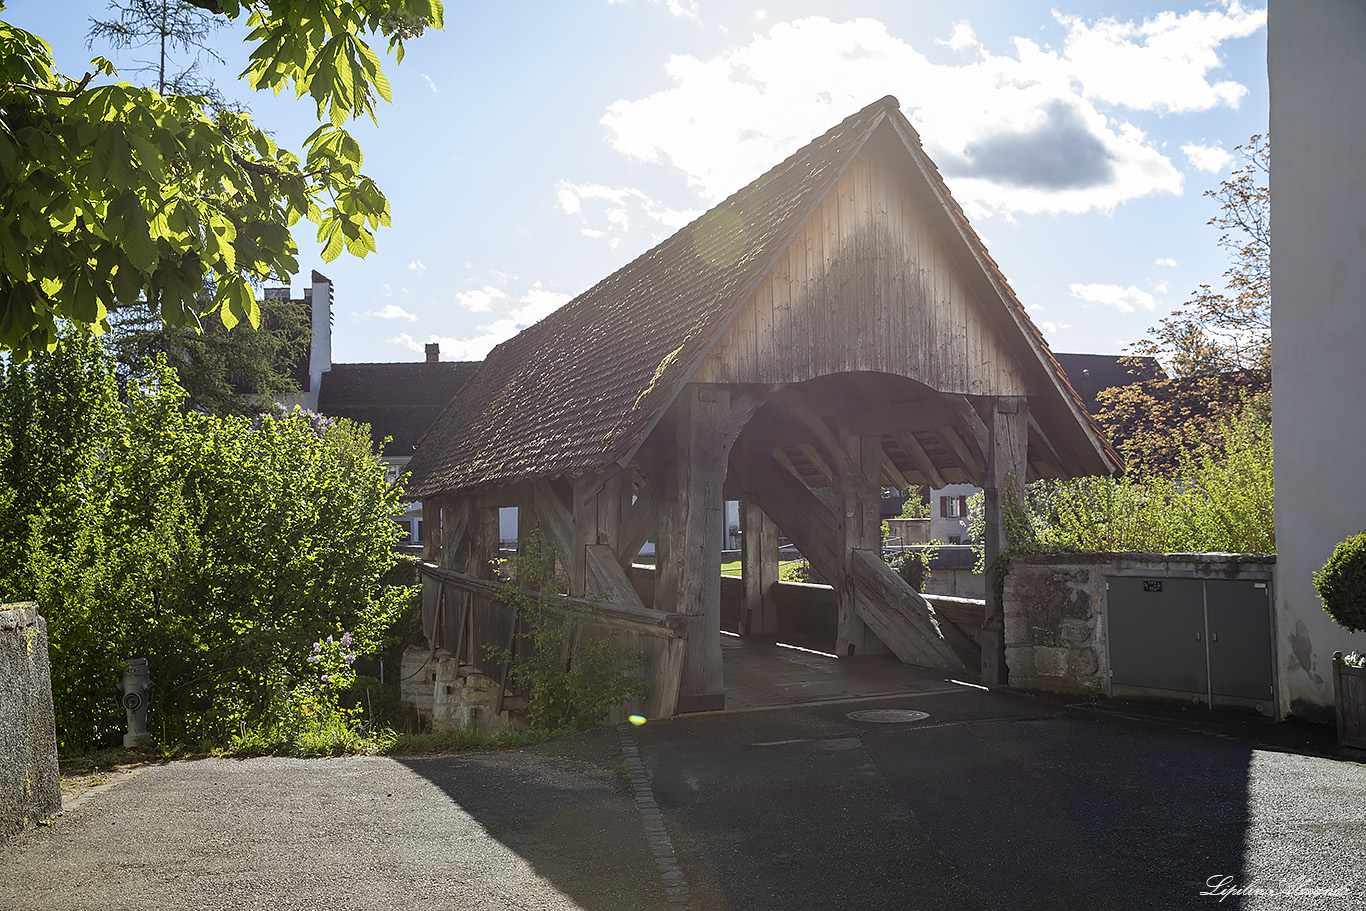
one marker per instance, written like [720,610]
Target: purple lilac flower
[314,659]
[317,647]
[349,657]
[346,640]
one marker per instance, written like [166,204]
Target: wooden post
[1007,458]
[708,421]
[758,571]
[431,529]
[594,567]
[858,512]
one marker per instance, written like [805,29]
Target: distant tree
[1156,424]
[1221,331]
[917,505]
[169,27]
[222,372]
[1217,347]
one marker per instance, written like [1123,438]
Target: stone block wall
[30,788]
[1054,626]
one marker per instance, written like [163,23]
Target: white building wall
[942,528]
[1318,267]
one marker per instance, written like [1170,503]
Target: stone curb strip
[73,803]
[652,820]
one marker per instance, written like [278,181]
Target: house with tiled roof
[836,323]
[400,402]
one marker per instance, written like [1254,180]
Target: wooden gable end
[868,284]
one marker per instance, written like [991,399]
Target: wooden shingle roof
[584,387]
[580,388]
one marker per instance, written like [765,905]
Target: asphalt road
[990,802]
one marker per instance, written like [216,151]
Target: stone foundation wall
[1054,627]
[30,788]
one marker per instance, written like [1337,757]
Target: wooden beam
[895,479]
[858,511]
[1050,452]
[708,420]
[454,524]
[904,417]
[556,521]
[821,465]
[781,458]
[948,435]
[825,437]
[606,578]
[431,529]
[911,446]
[905,622]
[805,520]
[641,521]
[978,437]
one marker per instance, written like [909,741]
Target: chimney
[433,352]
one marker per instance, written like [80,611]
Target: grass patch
[733,568]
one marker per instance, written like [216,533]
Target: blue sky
[533,148]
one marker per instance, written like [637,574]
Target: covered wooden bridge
[836,323]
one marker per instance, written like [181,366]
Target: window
[953,507]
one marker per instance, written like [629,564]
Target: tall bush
[1218,499]
[218,548]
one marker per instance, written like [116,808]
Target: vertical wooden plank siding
[867,285]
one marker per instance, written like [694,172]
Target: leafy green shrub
[798,571]
[571,680]
[1219,500]
[914,566]
[1342,584]
[217,548]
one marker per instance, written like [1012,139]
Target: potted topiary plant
[1342,586]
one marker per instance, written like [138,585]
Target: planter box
[1349,693]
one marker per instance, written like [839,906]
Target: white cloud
[1160,64]
[417,266]
[1166,261]
[1207,158]
[1018,132]
[1052,328]
[616,211]
[1125,300]
[1160,288]
[962,36]
[681,9]
[392,311]
[431,85]
[533,305]
[480,300]
[407,341]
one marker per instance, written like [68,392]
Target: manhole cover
[888,716]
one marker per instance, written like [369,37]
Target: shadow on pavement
[995,801]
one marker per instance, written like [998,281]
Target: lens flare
[637,720]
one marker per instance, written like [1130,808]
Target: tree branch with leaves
[116,194]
